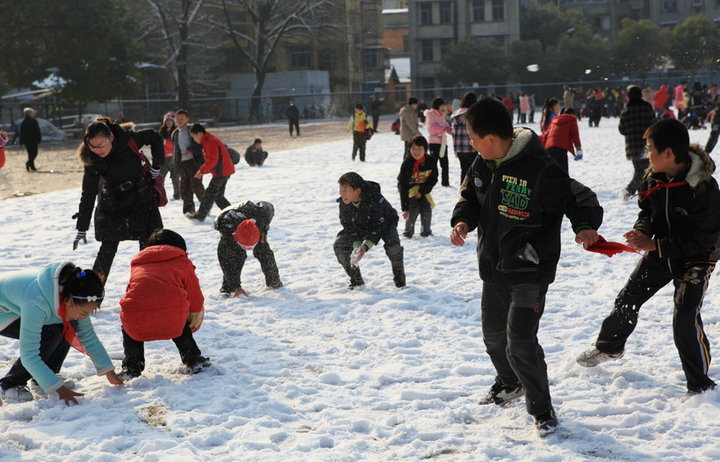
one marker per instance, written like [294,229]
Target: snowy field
[315,372]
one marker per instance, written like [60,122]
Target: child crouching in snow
[418,175]
[163,301]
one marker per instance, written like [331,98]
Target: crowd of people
[515,190]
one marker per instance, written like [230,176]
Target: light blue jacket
[34,297]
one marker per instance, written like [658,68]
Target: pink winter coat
[162,291]
[437,125]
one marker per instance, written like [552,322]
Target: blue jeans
[53,350]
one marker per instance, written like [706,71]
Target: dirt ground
[59,168]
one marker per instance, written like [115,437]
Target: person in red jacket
[561,137]
[163,301]
[660,100]
[219,164]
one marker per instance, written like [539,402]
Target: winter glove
[195,319]
[154,172]
[578,154]
[80,236]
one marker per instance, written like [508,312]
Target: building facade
[436,25]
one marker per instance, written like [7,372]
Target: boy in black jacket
[366,217]
[244,227]
[516,195]
[678,227]
[418,175]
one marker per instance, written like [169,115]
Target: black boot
[398,269]
[356,279]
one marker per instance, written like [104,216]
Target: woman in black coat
[127,208]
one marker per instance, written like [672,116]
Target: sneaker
[502,395]
[426,234]
[129,373]
[546,423]
[18,394]
[593,357]
[199,364]
[407,235]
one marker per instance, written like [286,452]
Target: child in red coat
[163,301]
[561,137]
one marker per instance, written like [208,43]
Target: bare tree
[268,22]
[182,53]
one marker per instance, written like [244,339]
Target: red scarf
[69,333]
[416,168]
[609,248]
[646,193]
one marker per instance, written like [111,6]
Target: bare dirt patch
[59,168]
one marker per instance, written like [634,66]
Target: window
[445,47]
[478,10]
[498,10]
[426,51]
[325,60]
[299,56]
[425,12]
[370,58]
[446,13]
[669,6]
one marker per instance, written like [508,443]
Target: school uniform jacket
[34,296]
[371,218]
[683,219]
[426,177]
[517,207]
[163,290]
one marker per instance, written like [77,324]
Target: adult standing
[596,102]
[461,141]
[637,116]
[48,310]
[30,136]
[127,208]
[219,164]
[375,109]
[438,126]
[409,123]
[187,158]
[166,130]
[293,117]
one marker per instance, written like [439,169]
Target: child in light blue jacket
[53,304]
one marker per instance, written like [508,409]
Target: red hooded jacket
[562,133]
[162,291]
[217,159]
[661,98]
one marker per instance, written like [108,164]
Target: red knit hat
[247,234]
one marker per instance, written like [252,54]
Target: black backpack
[234,155]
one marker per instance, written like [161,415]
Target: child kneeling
[163,301]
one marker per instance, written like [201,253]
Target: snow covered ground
[315,372]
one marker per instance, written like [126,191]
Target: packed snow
[316,372]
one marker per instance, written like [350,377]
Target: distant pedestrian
[464,151]
[637,116]
[30,136]
[409,123]
[293,116]
[359,125]
[375,107]
[166,130]
[438,127]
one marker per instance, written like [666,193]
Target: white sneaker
[18,394]
[593,357]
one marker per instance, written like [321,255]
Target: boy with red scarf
[418,175]
[678,227]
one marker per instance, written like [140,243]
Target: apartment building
[436,25]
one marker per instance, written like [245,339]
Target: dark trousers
[510,318]
[166,168]
[232,259]
[442,161]
[531,116]
[343,248]
[375,120]
[294,122]
[134,359]
[418,207]
[32,152]
[640,165]
[712,141]
[408,144]
[359,140]
[215,193]
[560,156]
[53,350]
[190,185]
[649,276]
[466,160]
[106,255]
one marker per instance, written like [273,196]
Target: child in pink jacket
[438,126]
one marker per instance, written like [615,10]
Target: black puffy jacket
[370,220]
